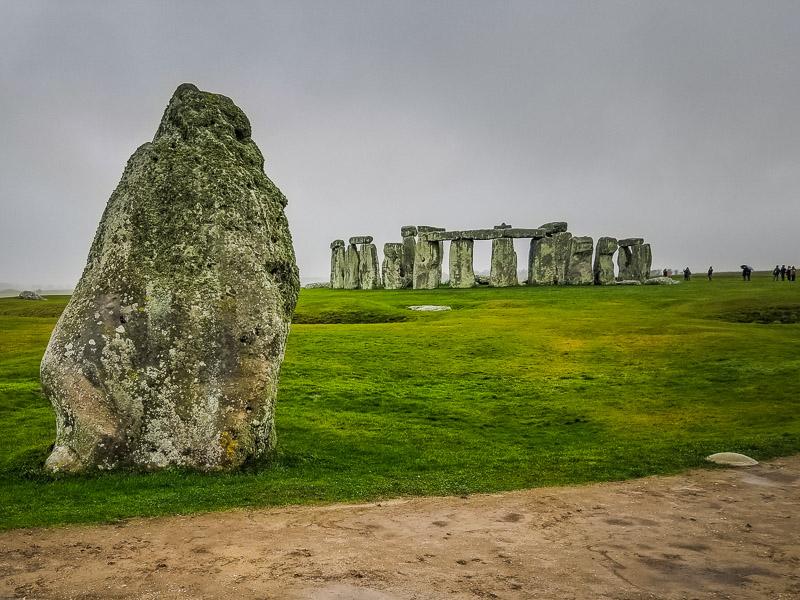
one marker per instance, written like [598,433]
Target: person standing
[745,273]
[794,272]
[783,272]
[775,273]
[710,272]
[687,274]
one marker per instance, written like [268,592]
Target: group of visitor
[784,272]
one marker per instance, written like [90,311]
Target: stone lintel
[361,239]
[337,244]
[554,227]
[428,229]
[631,242]
[516,232]
[481,234]
[408,230]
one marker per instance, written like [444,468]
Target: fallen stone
[629,282]
[317,285]
[631,241]
[168,352]
[28,295]
[361,239]
[482,279]
[732,458]
[661,281]
[429,307]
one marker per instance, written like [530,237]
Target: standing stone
[561,240]
[391,268]
[427,265]
[542,261]
[503,272]
[604,261]
[337,264]
[352,281]
[579,265]
[169,351]
[408,232]
[647,261]
[462,274]
[368,271]
[634,261]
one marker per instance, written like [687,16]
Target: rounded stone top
[408,231]
[337,244]
[554,227]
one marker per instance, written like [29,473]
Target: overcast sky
[674,121]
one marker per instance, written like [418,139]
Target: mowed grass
[513,388]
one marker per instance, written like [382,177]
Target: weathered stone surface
[428,229]
[408,231]
[352,262]
[361,239]
[427,265]
[733,459]
[579,264]
[317,285]
[502,226]
[561,240]
[368,270]
[169,350]
[503,272]
[604,261]
[628,282]
[337,265]
[482,279]
[631,241]
[391,274]
[661,281]
[407,262]
[515,232]
[554,227]
[542,262]
[462,274]
[634,262]
[467,234]
[28,295]
[337,244]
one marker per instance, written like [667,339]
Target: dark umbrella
[748,267]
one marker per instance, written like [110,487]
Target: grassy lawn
[513,388]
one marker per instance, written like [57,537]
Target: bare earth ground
[716,533]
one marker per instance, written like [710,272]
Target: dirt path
[732,533]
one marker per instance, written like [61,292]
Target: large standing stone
[391,267]
[503,272]
[427,265]
[169,351]
[634,261]
[561,241]
[579,265]
[352,280]
[604,261]
[337,264]
[407,262]
[462,274]
[542,261]
[368,269]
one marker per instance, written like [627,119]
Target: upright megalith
[352,280]
[634,259]
[169,351]
[561,249]
[604,261]
[368,270]
[542,261]
[391,275]
[503,268]
[579,264]
[462,274]
[337,264]
[427,264]
[408,234]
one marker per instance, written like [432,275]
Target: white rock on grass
[732,458]
[429,307]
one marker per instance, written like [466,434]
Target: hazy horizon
[675,122]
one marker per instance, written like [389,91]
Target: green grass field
[513,388]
